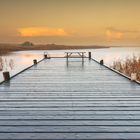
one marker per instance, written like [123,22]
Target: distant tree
[27,43]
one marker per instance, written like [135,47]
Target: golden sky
[80,22]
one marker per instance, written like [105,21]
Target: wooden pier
[53,100]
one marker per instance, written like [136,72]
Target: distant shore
[7,48]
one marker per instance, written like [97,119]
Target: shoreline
[7,48]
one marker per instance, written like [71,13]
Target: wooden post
[82,57]
[6,76]
[133,77]
[89,55]
[35,61]
[101,62]
[67,57]
[45,56]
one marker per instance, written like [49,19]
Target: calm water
[17,61]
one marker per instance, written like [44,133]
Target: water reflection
[75,65]
[109,55]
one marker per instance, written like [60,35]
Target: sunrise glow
[113,35]
[41,31]
[78,22]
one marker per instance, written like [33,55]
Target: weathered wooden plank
[69,136]
[68,112]
[73,107]
[70,129]
[73,117]
[89,108]
[61,87]
[72,104]
[69,123]
[75,84]
[86,81]
[69,100]
[54,93]
[66,97]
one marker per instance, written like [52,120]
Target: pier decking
[55,100]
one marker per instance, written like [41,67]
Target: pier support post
[82,58]
[35,61]
[133,77]
[89,55]
[45,56]
[102,62]
[6,76]
[67,56]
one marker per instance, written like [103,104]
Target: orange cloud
[113,35]
[41,31]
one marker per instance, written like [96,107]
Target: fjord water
[17,61]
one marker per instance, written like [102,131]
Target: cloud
[41,31]
[114,35]
[113,29]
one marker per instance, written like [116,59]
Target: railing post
[133,77]
[45,56]
[89,55]
[67,56]
[35,61]
[6,76]
[82,57]
[102,62]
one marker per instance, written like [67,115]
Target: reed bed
[1,64]
[128,66]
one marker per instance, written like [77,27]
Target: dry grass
[1,64]
[130,65]
[6,64]
[4,49]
